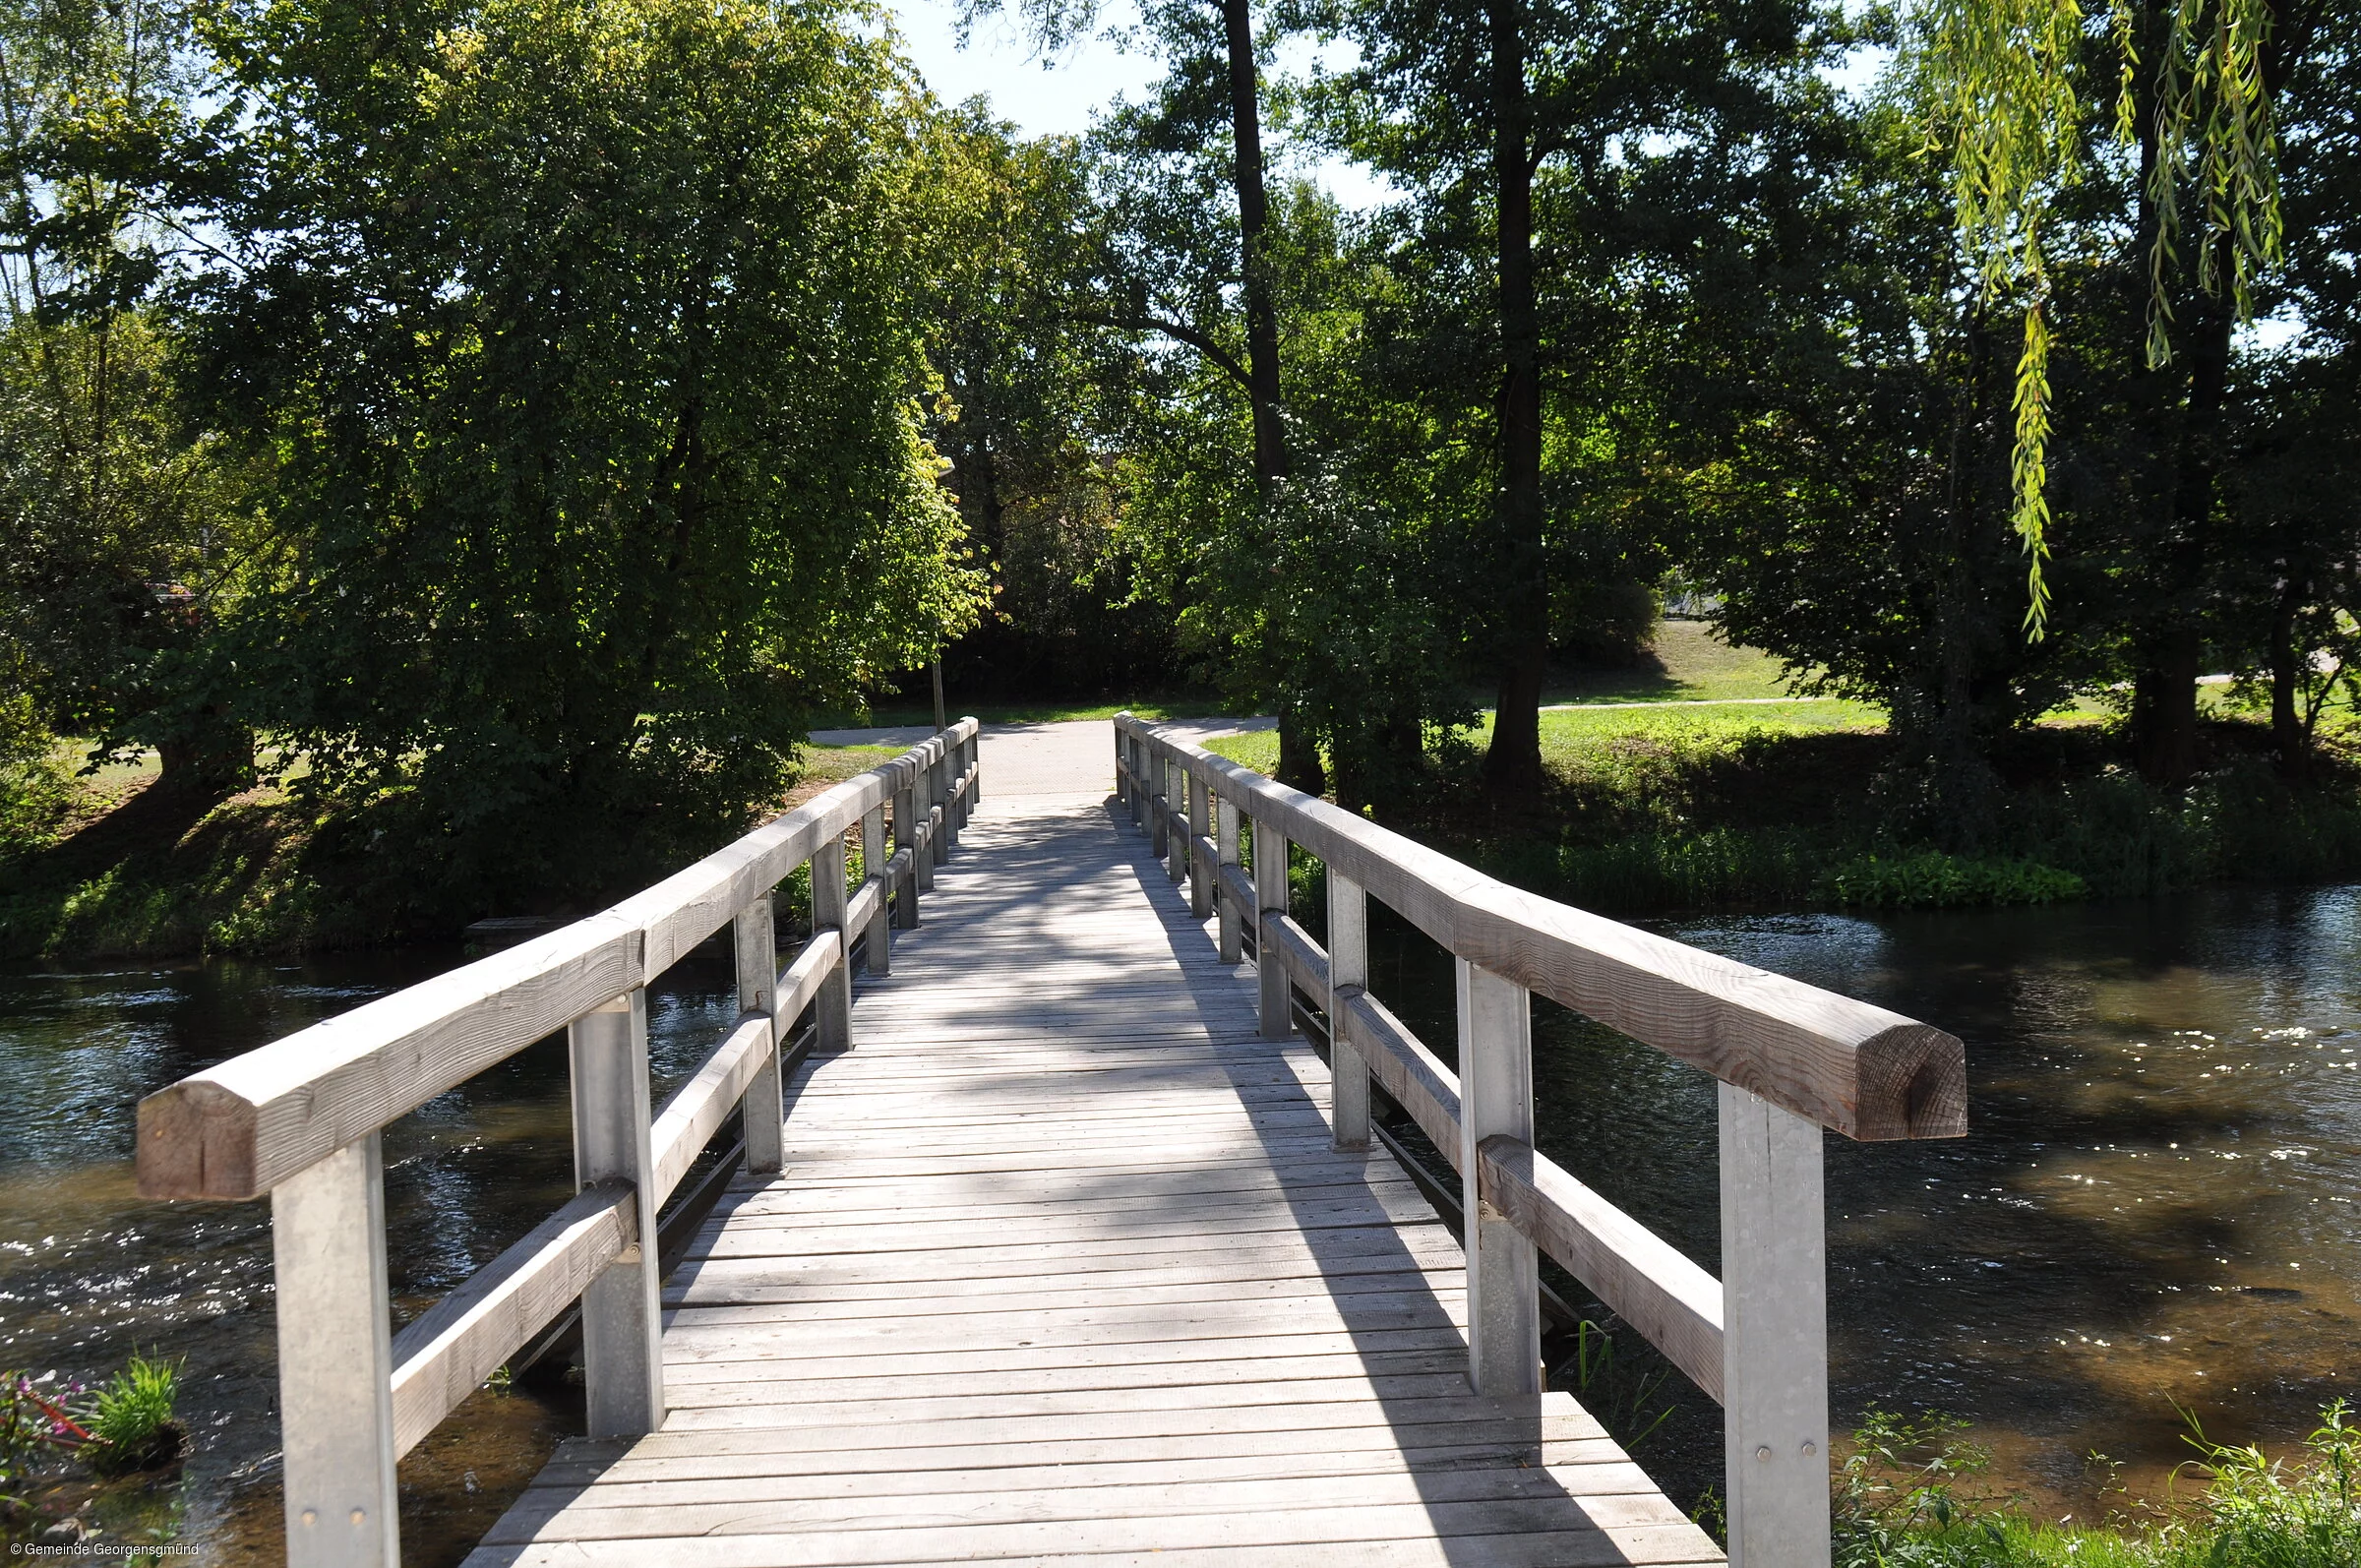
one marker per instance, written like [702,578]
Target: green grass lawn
[1687,663]
[1569,736]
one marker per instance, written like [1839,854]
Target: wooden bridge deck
[1062,1269]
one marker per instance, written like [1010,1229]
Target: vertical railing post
[1175,792]
[927,819]
[335,1362]
[1160,826]
[1774,1335]
[834,1006]
[1225,813]
[622,1356]
[938,789]
[905,837]
[1270,898]
[1200,874]
[1122,765]
[1348,974]
[755,939]
[1495,1097]
[975,765]
[878,959]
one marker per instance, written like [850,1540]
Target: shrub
[1932,879]
[33,789]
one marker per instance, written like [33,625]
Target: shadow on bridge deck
[1062,1269]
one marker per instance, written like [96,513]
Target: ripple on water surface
[90,1274]
[2156,1202]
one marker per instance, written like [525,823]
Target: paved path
[1064,1271]
[1074,759]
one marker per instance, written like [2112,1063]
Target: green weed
[2261,1513]
[130,1420]
[1905,1501]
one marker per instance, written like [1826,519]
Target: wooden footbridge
[1057,1242]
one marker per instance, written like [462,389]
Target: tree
[1030,426]
[1215,75]
[593,454]
[1529,128]
[118,527]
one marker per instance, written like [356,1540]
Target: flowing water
[90,1274]
[2156,1202]
[2154,1211]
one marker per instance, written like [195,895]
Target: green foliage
[118,525]
[130,1417]
[1627,1400]
[1932,879]
[2262,1513]
[33,789]
[594,465]
[1909,1499]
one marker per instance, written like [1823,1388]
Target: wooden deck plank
[1061,1269]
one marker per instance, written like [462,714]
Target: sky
[1057,95]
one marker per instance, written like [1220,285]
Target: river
[2156,1204]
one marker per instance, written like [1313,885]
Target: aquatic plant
[130,1420]
[31,1424]
[1624,1398]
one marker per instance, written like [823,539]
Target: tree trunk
[1519,563]
[2165,706]
[2287,732]
[1253,233]
[211,762]
[1299,758]
[2165,697]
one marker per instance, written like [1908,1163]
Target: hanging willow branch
[2000,81]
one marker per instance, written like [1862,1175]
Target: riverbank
[128,867]
[1689,806]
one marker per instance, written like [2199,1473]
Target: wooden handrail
[301,1118]
[1792,1060]
[1851,1066]
[239,1129]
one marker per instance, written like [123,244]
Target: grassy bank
[118,865]
[1695,805]
[1911,1496]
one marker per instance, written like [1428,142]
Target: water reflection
[88,1273]
[2155,1203]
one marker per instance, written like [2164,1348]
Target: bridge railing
[300,1119]
[1791,1059]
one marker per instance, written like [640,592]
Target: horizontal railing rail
[1791,1059]
[301,1119]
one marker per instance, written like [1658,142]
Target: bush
[33,789]
[1932,879]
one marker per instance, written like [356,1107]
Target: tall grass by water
[1907,1499]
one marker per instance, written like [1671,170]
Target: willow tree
[2010,89]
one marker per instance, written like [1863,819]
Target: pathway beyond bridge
[1067,1247]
